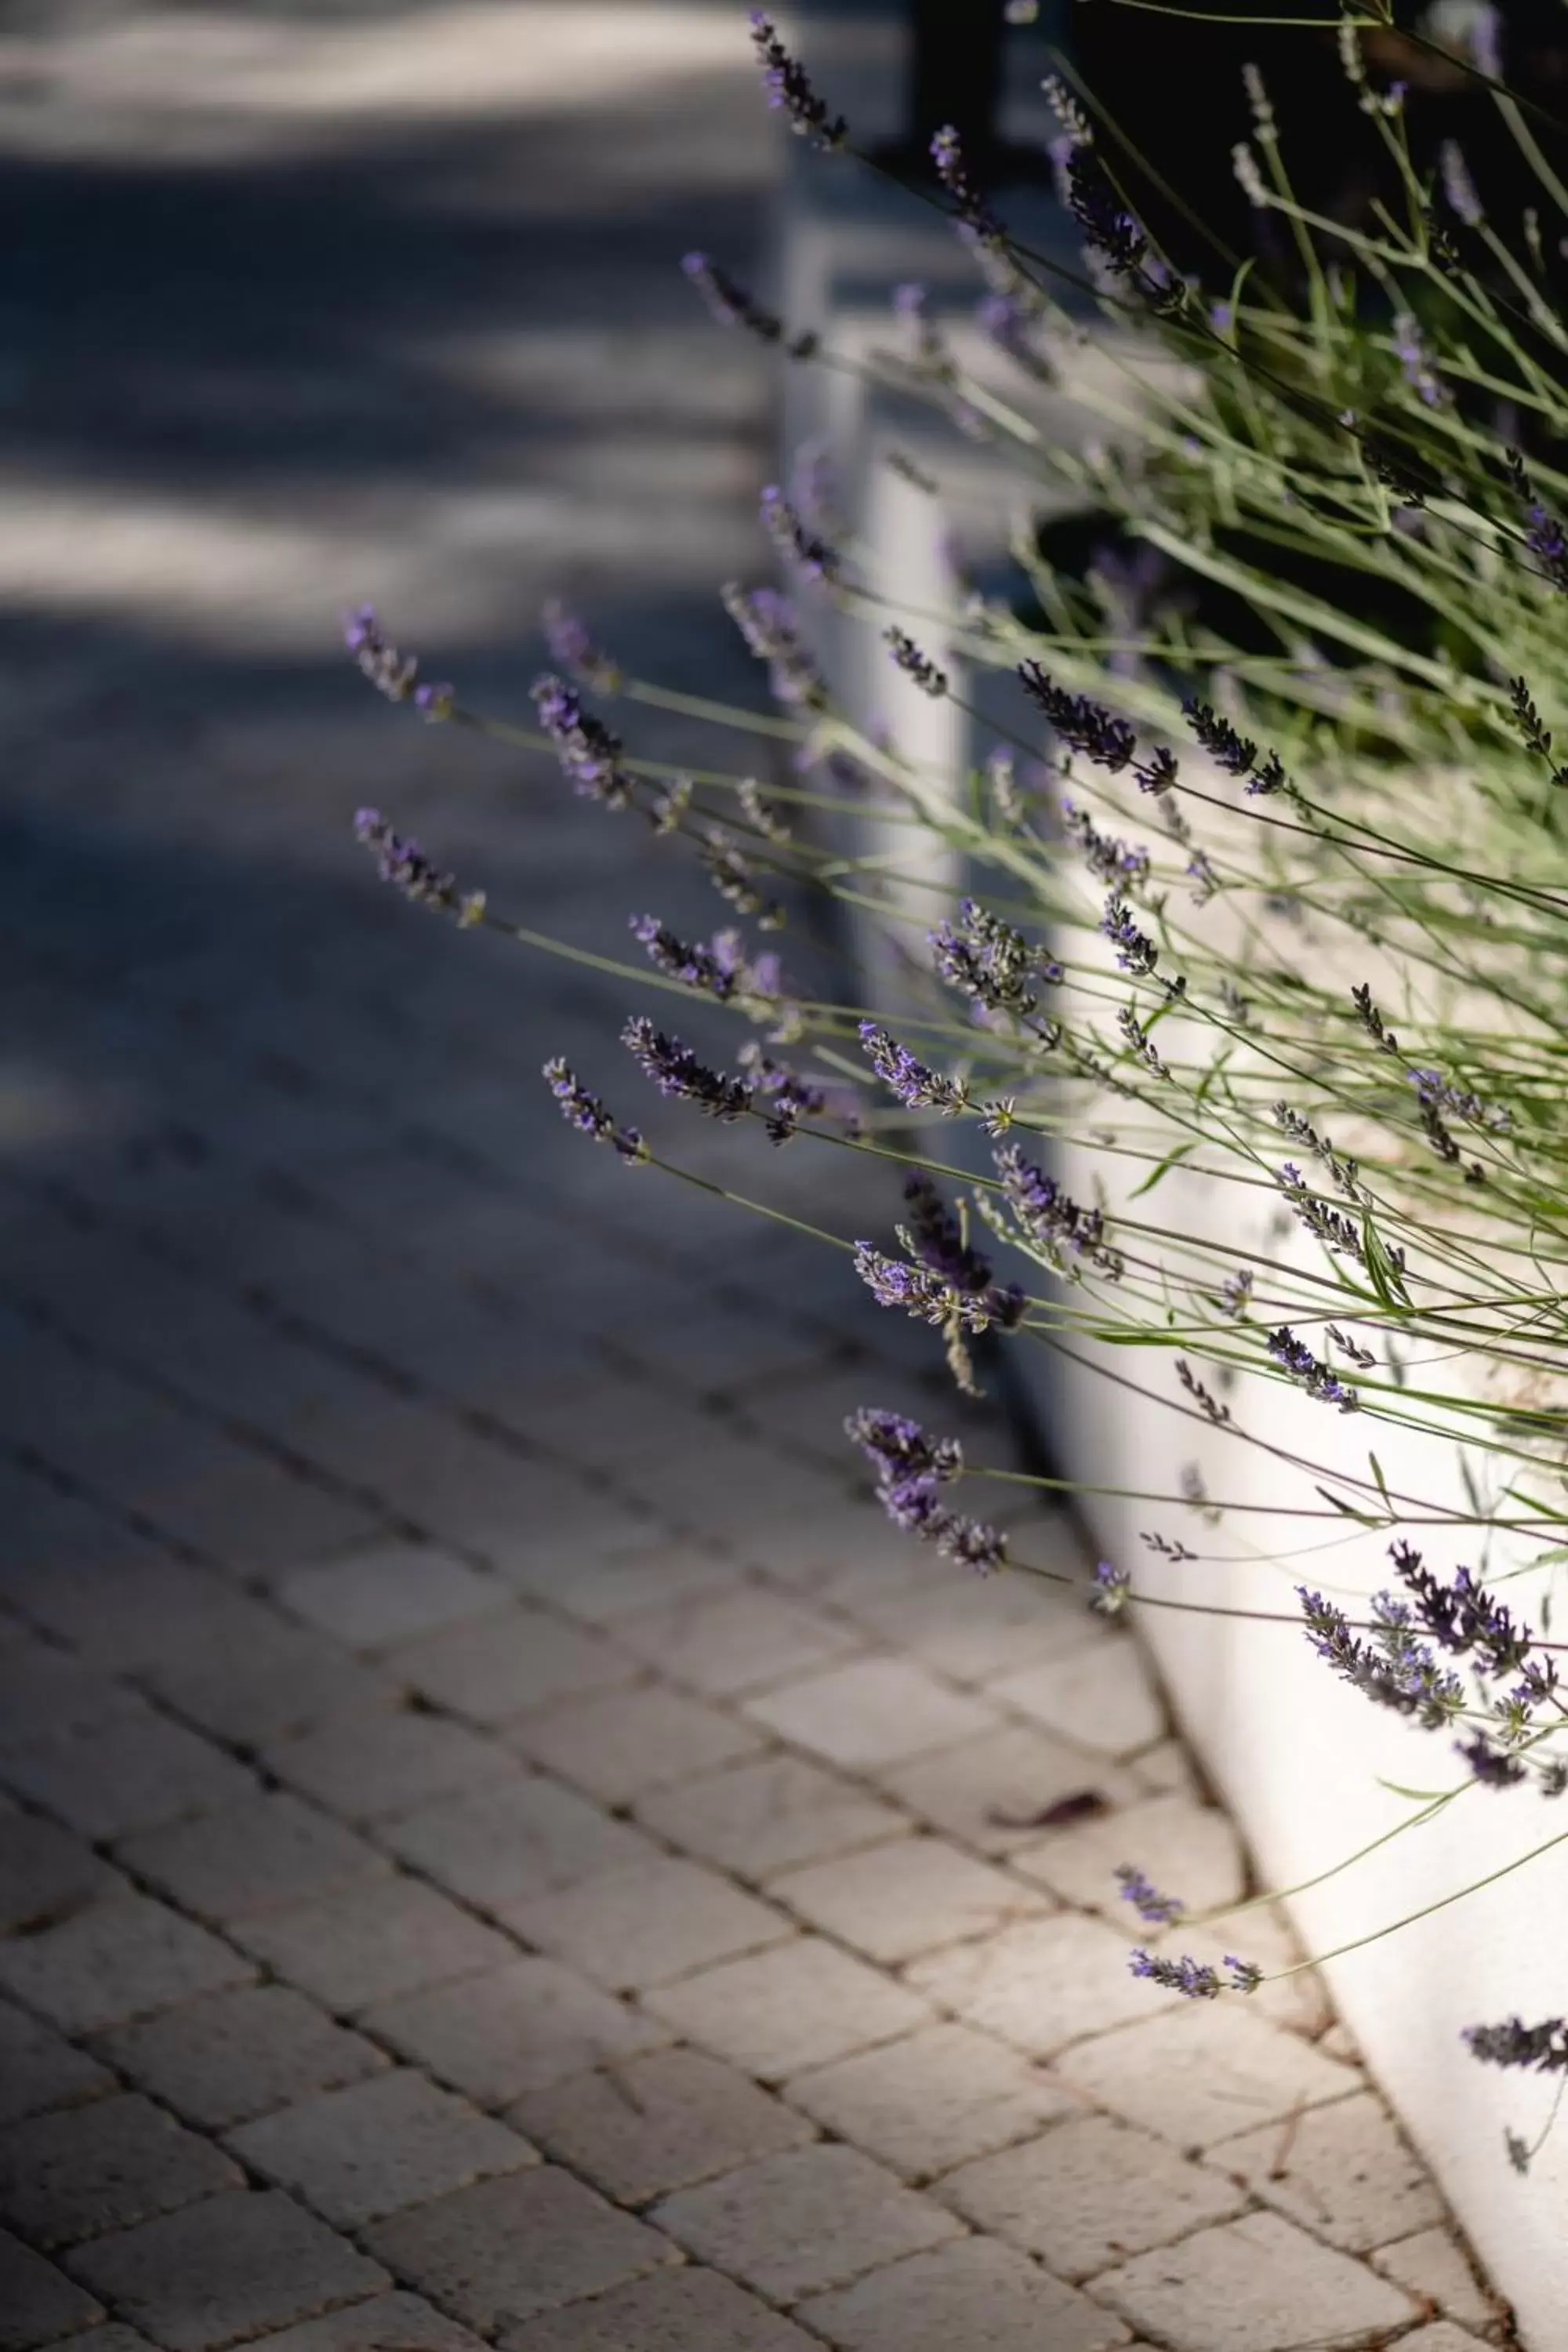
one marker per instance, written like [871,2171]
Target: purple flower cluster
[1084,725]
[393,673]
[1109,229]
[1058,1225]
[404,865]
[1308,1371]
[1198,1979]
[789,88]
[589,753]
[676,1070]
[991,961]
[585,1112]
[1542,2048]
[895,1282]
[1121,863]
[1135,952]
[783,1097]
[1235,752]
[914,664]
[917,1085]
[767,622]
[1113,1589]
[1463,1616]
[572,647]
[1433,1089]
[1543,533]
[1158,1910]
[911,1469]
[1393,1669]
[732,306]
[801,547]
[974,214]
[937,1238]
[711,969]
[1330,1225]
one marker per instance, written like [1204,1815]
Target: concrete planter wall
[1298,1757]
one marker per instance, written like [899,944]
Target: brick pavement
[499,1843]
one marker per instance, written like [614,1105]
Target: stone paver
[930,2102]
[797,2006]
[38,2068]
[405,2321]
[376,1938]
[636,1927]
[674,2311]
[135,1775]
[38,2301]
[759,1819]
[441,1648]
[616,1748]
[1432,2264]
[254,1857]
[119,1960]
[373,1599]
[1200,2074]
[1040,1984]
[877,1711]
[1088,2194]
[985,2296]
[236,2055]
[657,2124]
[377,1765]
[1254,2285]
[230,2267]
[797,2223]
[517,2029]
[506,2249]
[357,2154]
[102,2166]
[1341,2172]
[896,1901]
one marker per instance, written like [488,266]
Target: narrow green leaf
[1169,1161]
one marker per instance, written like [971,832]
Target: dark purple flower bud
[767,622]
[588,753]
[1083,725]
[789,88]
[1060,1227]
[1542,2048]
[1220,739]
[404,865]
[1108,860]
[991,961]
[566,635]
[916,664]
[801,547]
[676,1070]
[585,1112]
[947,154]
[732,306]
[1198,1979]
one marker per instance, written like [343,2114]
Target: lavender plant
[1269,921]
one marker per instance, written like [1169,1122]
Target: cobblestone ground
[500,1842]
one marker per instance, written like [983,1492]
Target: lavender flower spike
[789,89]
[393,673]
[588,753]
[1113,1589]
[566,635]
[1159,1910]
[801,547]
[918,1086]
[404,865]
[585,1112]
[676,1070]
